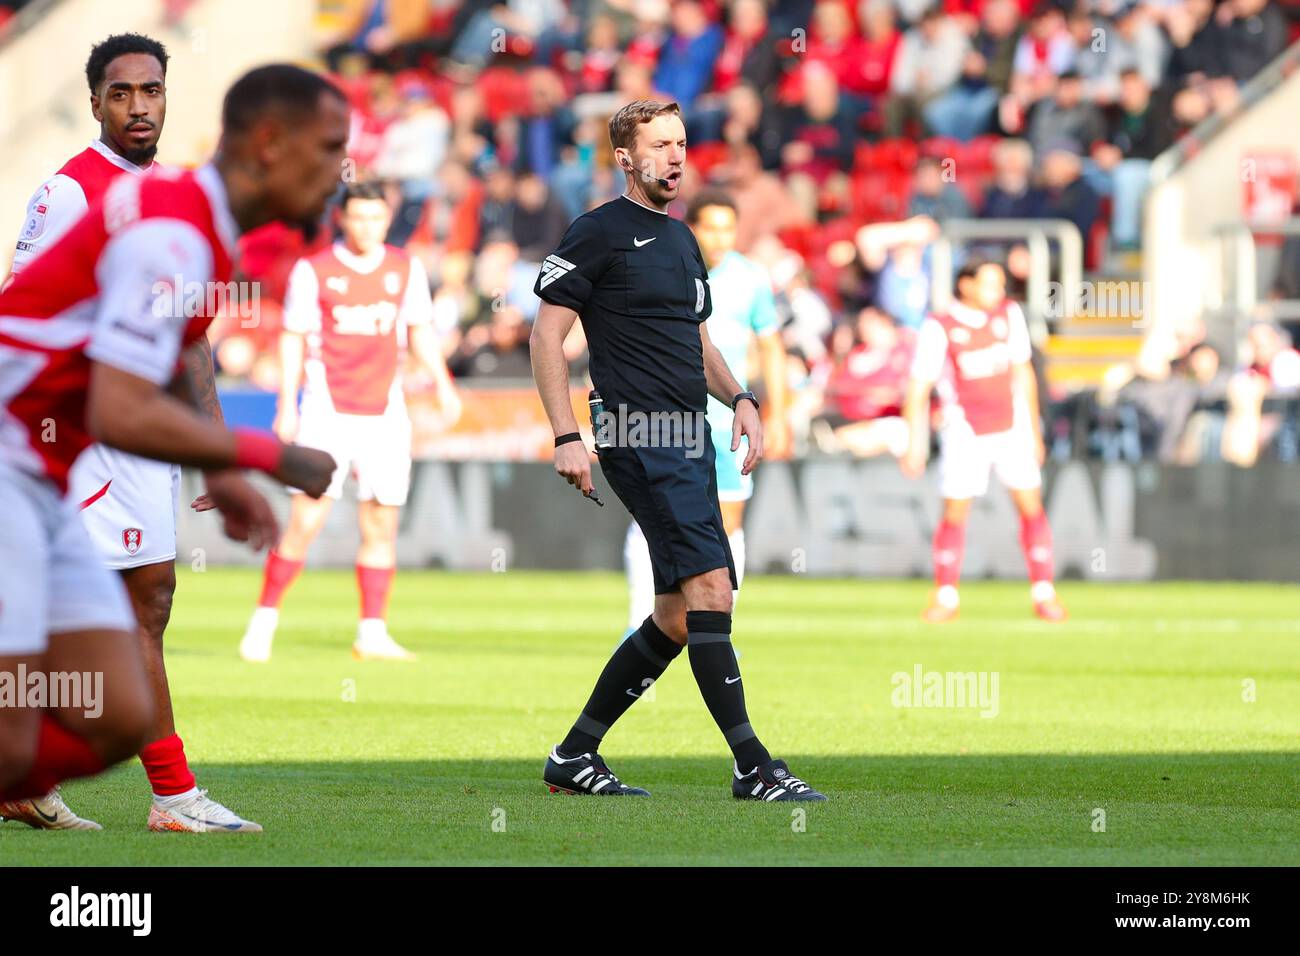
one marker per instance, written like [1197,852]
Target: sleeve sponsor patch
[34,225]
[553,267]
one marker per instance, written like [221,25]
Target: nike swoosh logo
[43,815]
[730,680]
[641,242]
[630,694]
[204,821]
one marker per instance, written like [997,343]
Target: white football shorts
[52,580]
[130,509]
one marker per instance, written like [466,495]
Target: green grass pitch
[1136,715]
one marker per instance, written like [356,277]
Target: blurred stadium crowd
[848,132]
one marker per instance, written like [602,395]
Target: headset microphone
[662,182]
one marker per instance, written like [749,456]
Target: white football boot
[374,643]
[256,643]
[45,813]
[195,813]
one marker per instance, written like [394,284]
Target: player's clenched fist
[574,465]
[309,469]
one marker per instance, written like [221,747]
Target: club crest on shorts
[131,539]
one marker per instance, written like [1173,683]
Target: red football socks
[276,578]
[60,755]
[375,585]
[165,765]
[1036,543]
[949,548]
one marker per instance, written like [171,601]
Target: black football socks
[713,662]
[637,663]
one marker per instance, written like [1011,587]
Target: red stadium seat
[705,156]
[505,91]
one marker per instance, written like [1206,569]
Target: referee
[638,282]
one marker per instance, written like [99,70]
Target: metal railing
[1037,234]
[1258,87]
[1239,271]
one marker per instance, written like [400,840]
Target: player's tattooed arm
[201,378]
[196,385]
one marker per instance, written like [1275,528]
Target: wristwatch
[741,396]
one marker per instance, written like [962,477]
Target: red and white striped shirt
[108,292]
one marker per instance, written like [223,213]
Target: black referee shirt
[638,282]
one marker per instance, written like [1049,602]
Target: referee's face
[659,157]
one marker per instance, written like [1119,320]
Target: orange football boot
[1051,610]
[938,612]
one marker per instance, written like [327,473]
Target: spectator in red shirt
[450,220]
[878,48]
[748,53]
[863,402]
[600,55]
[833,39]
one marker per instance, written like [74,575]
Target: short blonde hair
[623,124]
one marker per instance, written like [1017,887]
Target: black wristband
[565,439]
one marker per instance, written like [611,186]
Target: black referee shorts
[675,501]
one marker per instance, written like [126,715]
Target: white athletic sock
[640,577]
[372,629]
[174,798]
[947,596]
[1042,591]
[264,619]
[737,541]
